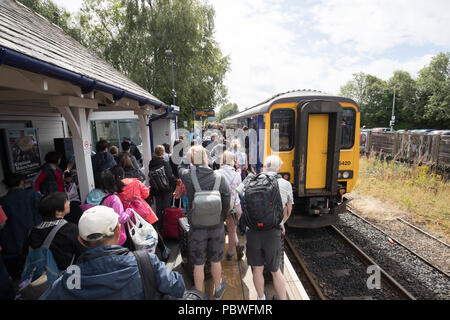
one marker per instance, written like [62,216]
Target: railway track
[336,268]
[400,243]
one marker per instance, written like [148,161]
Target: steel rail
[422,231]
[425,260]
[368,261]
[305,270]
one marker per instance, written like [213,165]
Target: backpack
[207,205]
[263,207]
[40,269]
[159,182]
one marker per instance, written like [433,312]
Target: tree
[133,35]
[434,92]
[55,15]
[405,100]
[227,110]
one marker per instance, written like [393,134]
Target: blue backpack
[40,269]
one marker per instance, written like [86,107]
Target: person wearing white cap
[108,271]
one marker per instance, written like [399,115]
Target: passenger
[112,185]
[108,271]
[101,161]
[20,206]
[233,179]
[115,153]
[163,197]
[71,190]
[65,246]
[130,170]
[50,178]
[166,151]
[241,158]
[135,188]
[209,242]
[134,150]
[265,247]
[126,147]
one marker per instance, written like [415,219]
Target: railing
[430,149]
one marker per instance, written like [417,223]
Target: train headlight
[345,174]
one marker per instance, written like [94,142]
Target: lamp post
[169,54]
[393,116]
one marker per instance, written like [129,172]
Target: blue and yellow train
[317,137]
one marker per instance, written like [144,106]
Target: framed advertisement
[22,150]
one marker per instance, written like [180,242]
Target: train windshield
[348,128]
[283,120]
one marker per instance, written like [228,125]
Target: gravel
[340,274]
[423,281]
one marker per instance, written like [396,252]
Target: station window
[348,128]
[114,131]
[284,121]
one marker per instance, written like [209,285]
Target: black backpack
[159,182]
[263,207]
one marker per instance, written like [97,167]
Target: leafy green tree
[434,92]
[405,100]
[133,35]
[55,15]
[227,110]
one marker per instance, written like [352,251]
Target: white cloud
[374,26]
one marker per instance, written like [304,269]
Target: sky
[276,46]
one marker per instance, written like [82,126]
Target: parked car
[402,131]
[440,132]
[381,130]
[421,131]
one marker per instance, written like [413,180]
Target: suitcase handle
[173,202]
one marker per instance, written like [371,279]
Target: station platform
[238,275]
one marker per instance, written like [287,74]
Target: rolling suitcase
[183,230]
[170,221]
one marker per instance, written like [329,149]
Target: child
[71,190]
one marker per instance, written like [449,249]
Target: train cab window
[348,128]
[284,121]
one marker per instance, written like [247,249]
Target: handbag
[142,234]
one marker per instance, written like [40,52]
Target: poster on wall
[23,150]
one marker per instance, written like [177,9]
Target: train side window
[348,128]
[284,121]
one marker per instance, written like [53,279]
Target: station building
[53,90]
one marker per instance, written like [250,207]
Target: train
[316,135]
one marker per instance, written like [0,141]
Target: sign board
[205,114]
[175,108]
[23,150]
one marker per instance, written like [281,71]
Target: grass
[421,193]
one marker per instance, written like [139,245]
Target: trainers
[240,251]
[218,293]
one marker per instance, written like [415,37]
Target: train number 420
[345,163]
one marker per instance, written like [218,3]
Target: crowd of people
[212,182]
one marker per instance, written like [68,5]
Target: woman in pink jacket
[113,186]
[132,187]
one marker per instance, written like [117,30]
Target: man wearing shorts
[265,247]
[205,243]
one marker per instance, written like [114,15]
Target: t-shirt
[287,196]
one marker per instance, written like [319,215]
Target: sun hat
[97,222]
[95,196]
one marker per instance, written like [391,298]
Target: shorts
[264,248]
[206,243]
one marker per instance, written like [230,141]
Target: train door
[318,141]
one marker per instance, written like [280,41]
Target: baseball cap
[97,222]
